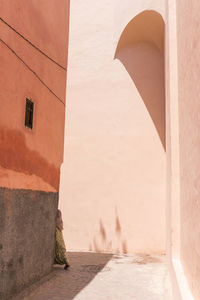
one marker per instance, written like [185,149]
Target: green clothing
[60,249]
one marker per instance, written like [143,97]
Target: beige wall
[113,177]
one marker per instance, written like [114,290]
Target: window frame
[29,113]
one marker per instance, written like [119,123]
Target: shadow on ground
[84,266]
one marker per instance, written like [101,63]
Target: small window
[29,114]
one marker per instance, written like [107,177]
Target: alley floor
[95,276]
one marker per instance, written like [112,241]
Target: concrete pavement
[97,276]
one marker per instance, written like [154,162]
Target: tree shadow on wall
[101,242]
[66,284]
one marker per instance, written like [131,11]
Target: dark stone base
[27,238]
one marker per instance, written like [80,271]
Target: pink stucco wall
[113,177]
[182,122]
[189,91]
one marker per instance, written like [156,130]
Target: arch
[141,50]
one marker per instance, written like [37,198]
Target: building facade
[114,169]
[130,178]
[33,64]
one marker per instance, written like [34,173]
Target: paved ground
[93,276]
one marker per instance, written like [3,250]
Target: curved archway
[141,50]
[116,150]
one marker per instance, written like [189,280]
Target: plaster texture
[180,289]
[33,46]
[182,111]
[188,95]
[40,22]
[27,73]
[27,238]
[113,178]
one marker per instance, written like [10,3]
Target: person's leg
[66,266]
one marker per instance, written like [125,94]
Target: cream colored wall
[113,177]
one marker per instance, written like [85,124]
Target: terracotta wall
[189,90]
[31,159]
[33,64]
[113,176]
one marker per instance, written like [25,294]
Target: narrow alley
[104,277]
[99,150]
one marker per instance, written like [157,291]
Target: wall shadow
[84,266]
[141,51]
[102,244]
[15,155]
